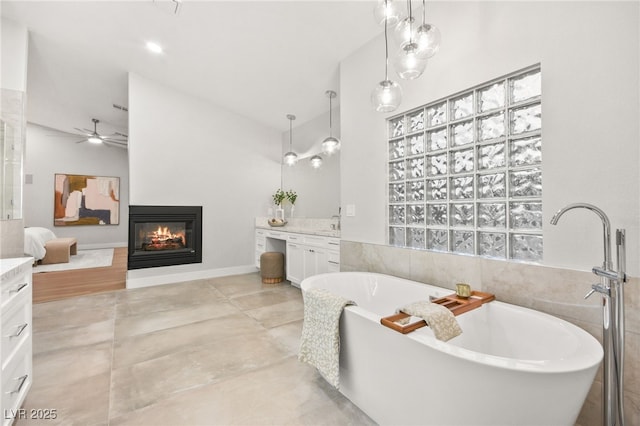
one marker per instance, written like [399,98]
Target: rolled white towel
[440,319]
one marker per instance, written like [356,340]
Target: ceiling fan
[92,136]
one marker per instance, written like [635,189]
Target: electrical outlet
[351,209]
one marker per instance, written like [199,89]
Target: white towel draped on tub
[439,319]
[320,341]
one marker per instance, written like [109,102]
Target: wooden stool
[59,250]
[272,267]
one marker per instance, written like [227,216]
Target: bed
[35,239]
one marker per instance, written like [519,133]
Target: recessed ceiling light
[154,47]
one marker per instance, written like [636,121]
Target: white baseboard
[160,279]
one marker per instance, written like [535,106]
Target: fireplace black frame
[192,215]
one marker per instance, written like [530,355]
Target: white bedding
[34,241]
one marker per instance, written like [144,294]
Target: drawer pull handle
[293,245]
[334,244]
[23,380]
[18,288]
[335,263]
[19,331]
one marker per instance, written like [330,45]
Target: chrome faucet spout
[606,228]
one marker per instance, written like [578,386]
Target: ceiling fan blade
[83,140]
[83,131]
[115,144]
[124,141]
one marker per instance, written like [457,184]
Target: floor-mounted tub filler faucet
[611,287]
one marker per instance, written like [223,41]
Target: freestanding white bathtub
[510,366]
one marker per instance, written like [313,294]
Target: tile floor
[221,351]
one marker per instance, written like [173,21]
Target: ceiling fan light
[154,47]
[290,158]
[94,139]
[316,161]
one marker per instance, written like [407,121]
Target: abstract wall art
[86,200]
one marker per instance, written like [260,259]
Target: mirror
[318,189]
[12,136]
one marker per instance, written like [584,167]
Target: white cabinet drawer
[311,240]
[16,381]
[16,327]
[277,235]
[260,233]
[15,283]
[333,257]
[295,238]
[333,243]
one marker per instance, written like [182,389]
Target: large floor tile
[278,314]
[68,338]
[284,393]
[67,366]
[84,402]
[146,323]
[148,382]
[238,285]
[267,297]
[139,348]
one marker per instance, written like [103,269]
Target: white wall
[186,151]
[49,152]
[589,54]
[318,189]
[13,69]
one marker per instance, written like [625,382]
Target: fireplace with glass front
[164,236]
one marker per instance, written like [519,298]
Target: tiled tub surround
[555,291]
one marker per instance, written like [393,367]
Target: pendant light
[330,145]
[387,95]
[387,10]
[316,161]
[408,63]
[290,158]
[427,37]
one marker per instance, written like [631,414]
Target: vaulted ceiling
[261,59]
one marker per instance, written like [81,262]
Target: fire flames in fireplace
[164,238]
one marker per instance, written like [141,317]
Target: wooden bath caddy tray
[457,305]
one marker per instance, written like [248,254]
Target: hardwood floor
[49,286]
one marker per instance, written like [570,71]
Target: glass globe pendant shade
[387,9]
[94,139]
[387,96]
[290,158]
[405,32]
[316,161]
[408,64]
[428,40]
[330,145]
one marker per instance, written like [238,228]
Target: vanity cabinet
[16,339]
[305,254]
[294,261]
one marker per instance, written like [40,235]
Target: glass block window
[465,173]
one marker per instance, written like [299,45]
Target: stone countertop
[304,225]
[301,230]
